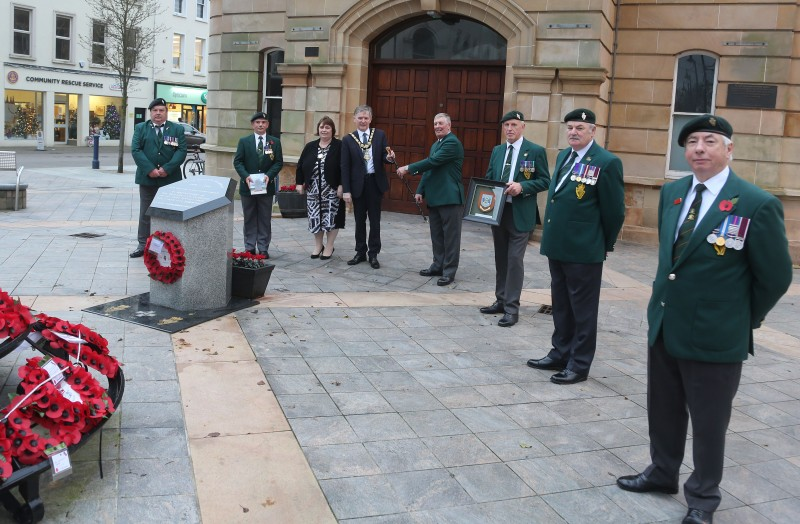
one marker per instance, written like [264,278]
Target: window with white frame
[98,43]
[63,37]
[201,9]
[273,89]
[199,52]
[179,7]
[23,27]
[177,52]
[694,94]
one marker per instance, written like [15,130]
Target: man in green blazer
[585,212]
[522,165]
[261,153]
[723,263]
[158,149]
[441,186]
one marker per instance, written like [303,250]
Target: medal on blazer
[730,234]
[486,201]
[526,167]
[269,151]
[580,190]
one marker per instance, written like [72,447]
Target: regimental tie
[158,132]
[260,146]
[687,227]
[507,165]
[567,166]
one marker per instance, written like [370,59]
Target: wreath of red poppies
[177,257]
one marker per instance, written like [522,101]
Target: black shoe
[137,254]
[317,255]
[568,376]
[546,363]
[698,516]
[359,258]
[326,257]
[373,261]
[430,272]
[641,484]
[495,308]
[445,281]
[508,320]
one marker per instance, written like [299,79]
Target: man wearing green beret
[522,166]
[159,148]
[585,211]
[723,263]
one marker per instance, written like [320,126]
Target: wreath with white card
[164,257]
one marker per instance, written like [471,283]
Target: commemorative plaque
[485,201]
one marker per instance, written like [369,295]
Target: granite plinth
[192,197]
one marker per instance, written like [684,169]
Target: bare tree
[122,33]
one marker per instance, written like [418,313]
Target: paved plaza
[368,396]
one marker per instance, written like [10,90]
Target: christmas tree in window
[112,124]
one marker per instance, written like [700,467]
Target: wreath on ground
[168,261]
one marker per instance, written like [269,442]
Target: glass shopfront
[186,103]
[23,114]
[104,117]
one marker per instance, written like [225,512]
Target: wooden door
[406,97]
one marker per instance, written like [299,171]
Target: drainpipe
[613,73]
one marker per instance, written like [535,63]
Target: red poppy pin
[727,205]
[678,201]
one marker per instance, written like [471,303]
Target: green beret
[257,115]
[512,115]
[707,123]
[580,115]
[157,102]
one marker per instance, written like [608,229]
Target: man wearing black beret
[585,211]
[159,149]
[258,153]
[723,263]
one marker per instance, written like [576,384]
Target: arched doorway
[427,66]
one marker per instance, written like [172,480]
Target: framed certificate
[485,201]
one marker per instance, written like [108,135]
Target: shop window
[201,9]
[179,7]
[104,117]
[63,37]
[23,19]
[199,53]
[23,112]
[98,43]
[273,90]
[694,94]
[177,52]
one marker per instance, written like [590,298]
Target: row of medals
[734,230]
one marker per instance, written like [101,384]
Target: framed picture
[485,201]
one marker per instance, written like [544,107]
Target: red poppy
[725,205]
[678,201]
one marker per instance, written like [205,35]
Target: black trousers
[368,205]
[146,196]
[679,390]
[445,226]
[509,255]
[575,291]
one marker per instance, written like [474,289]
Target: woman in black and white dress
[319,175]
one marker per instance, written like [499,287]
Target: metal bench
[8,162]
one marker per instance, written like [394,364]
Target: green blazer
[532,182]
[582,221]
[441,173]
[150,153]
[706,305]
[246,161]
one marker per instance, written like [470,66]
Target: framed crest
[485,201]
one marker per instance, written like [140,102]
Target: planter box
[292,204]
[250,283]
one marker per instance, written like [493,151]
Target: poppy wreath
[43,404]
[177,257]
[92,353]
[15,318]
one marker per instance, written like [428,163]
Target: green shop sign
[182,94]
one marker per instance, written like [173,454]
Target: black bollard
[96,152]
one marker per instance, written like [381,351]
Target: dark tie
[261,146]
[686,229]
[364,138]
[567,165]
[158,132]
[507,165]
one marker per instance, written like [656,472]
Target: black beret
[580,115]
[512,115]
[257,115]
[157,102]
[708,123]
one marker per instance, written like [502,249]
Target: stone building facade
[643,66]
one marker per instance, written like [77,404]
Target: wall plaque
[760,96]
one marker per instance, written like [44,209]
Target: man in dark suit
[522,165]
[441,186]
[259,153]
[364,151]
[159,149]
[585,212]
[716,281]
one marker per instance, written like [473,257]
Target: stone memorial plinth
[199,212]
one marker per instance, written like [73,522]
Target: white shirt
[370,163]
[263,140]
[515,147]
[713,187]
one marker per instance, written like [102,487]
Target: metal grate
[88,235]
[546,310]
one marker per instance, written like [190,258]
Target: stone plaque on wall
[757,96]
